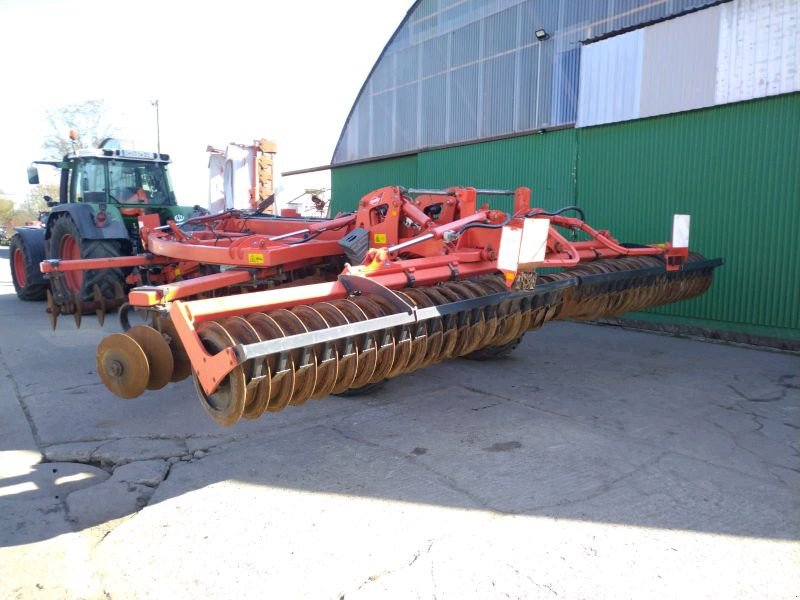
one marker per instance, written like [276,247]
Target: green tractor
[103,191]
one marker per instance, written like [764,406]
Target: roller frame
[212,369]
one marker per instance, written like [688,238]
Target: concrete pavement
[594,463]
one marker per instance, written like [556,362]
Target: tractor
[103,192]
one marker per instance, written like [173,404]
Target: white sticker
[680,231]
[179,218]
[508,254]
[534,241]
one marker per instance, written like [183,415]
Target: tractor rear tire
[67,243]
[494,352]
[25,273]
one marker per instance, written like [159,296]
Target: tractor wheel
[493,352]
[66,243]
[25,273]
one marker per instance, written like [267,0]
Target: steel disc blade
[159,356]
[326,354]
[434,326]
[182,366]
[347,349]
[368,352]
[226,403]
[374,308]
[282,367]
[463,325]
[305,362]
[489,312]
[267,329]
[244,333]
[449,324]
[419,342]
[477,330]
[122,365]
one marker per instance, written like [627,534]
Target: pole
[158,126]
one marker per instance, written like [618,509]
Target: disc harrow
[264,313]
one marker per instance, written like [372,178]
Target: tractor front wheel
[66,243]
[28,282]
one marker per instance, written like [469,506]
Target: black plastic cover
[355,245]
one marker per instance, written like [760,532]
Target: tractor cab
[111,176]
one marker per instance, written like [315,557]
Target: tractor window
[139,183]
[89,181]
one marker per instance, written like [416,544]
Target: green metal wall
[735,169]
[542,162]
[350,184]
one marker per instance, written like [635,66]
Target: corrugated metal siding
[476,68]
[349,184]
[680,64]
[543,162]
[611,79]
[759,49]
[736,170]
[736,51]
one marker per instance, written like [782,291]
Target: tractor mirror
[33,175]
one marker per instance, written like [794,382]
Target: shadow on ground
[584,423]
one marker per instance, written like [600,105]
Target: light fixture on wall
[542,35]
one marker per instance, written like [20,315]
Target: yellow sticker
[380,238]
[255,259]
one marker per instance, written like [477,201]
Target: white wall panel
[464,70]
[611,79]
[680,63]
[759,49]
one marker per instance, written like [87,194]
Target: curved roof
[456,71]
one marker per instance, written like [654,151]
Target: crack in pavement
[448,482]
[631,438]
[424,551]
[602,489]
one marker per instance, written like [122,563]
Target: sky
[222,72]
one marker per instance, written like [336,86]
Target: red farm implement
[266,312]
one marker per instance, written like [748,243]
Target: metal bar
[311,338]
[414,315]
[264,300]
[53,265]
[421,191]
[275,238]
[495,192]
[649,272]
[161,294]
[413,241]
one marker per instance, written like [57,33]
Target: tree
[6,213]
[89,119]
[34,202]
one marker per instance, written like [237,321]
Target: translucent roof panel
[466,70]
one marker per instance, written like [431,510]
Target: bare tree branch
[88,118]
